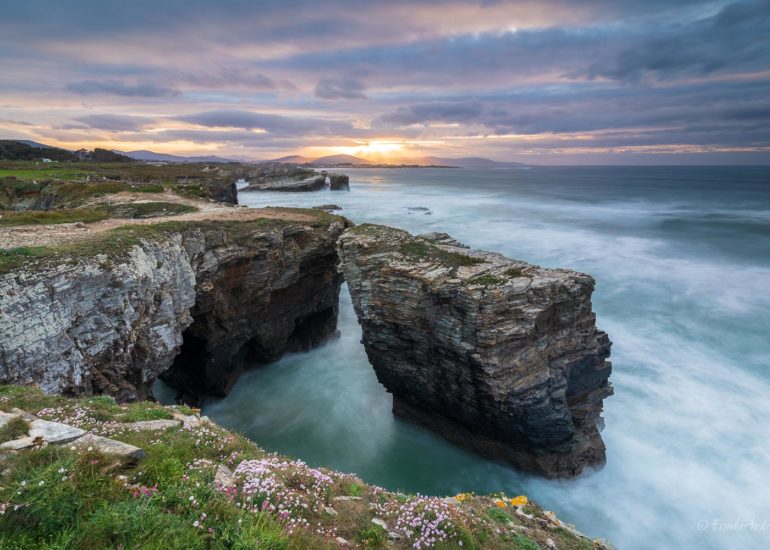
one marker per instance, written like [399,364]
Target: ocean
[681,258]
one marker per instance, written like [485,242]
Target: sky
[540,81]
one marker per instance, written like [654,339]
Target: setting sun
[375,150]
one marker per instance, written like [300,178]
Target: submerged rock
[496,354]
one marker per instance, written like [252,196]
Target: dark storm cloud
[735,38]
[117,87]
[273,124]
[340,88]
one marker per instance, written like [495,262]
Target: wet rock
[493,353]
[419,210]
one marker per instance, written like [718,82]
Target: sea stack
[495,354]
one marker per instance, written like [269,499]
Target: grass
[117,242]
[488,280]
[42,173]
[49,217]
[354,489]
[426,251]
[516,272]
[54,497]
[13,429]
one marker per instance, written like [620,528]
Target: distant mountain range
[152,156]
[350,160]
[328,161]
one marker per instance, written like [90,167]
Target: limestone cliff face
[217,292]
[493,353]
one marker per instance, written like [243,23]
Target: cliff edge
[495,354]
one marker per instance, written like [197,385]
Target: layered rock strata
[197,298]
[495,354]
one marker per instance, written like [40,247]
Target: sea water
[681,257]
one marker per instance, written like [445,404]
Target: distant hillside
[350,160]
[470,162]
[31,150]
[292,159]
[333,160]
[152,156]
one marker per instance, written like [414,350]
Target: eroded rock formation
[314,183]
[493,353]
[219,292]
[339,182]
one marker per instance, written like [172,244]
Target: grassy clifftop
[201,486]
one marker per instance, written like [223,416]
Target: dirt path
[46,235]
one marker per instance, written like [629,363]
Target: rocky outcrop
[315,183]
[493,353]
[291,178]
[216,292]
[339,182]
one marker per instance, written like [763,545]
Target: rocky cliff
[493,353]
[113,313]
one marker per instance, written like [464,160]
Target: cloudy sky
[540,81]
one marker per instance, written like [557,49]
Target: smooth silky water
[681,257]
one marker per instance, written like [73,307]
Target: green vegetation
[354,489]
[16,150]
[525,543]
[499,515]
[372,536]
[13,429]
[116,242]
[516,272]
[48,217]
[488,280]
[38,185]
[57,497]
[45,171]
[425,251]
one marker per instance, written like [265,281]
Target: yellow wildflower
[462,497]
[500,503]
[519,501]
